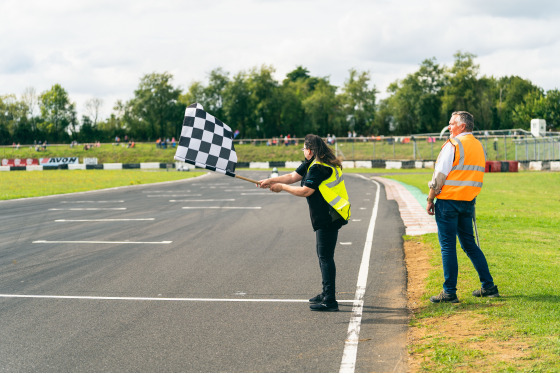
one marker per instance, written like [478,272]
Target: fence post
[432,148]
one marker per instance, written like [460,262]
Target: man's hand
[431,208]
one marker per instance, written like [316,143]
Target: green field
[518,219]
[356,149]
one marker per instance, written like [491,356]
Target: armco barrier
[493,166]
[490,167]
[409,164]
[513,166]
[378,164]
[505,167]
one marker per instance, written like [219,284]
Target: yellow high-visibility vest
[334,191]
[464,182]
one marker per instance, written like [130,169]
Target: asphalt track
[203,275]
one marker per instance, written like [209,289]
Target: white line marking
[222,207]
[269,193]
[345,243]
[356,220]
[348,363]
[166,191]
[92,201]
[242,190]
[210,184]
[160,298]
[199,201]
[187,195]
[87,209]
[94,242]
[104,220]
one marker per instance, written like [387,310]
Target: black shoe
[330,306]
[487,292]
[317,299]
[444,297]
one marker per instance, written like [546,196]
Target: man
[456,182]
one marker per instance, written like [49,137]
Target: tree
[359,102]
[239,107]
[195,94]
[88,131]
[214,92]
[264,93]
[539,105]
[117,123]
[465,91]
[323,110]
[8,117]
[31,101]
[510,92]
[57,113]
[415,102]
[155,110]
[92,107]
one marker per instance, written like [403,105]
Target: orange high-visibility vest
[464,182]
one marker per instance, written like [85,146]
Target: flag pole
[247,179]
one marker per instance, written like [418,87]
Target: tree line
[258,106]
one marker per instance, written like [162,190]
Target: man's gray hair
[466,118]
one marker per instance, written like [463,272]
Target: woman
[322,184]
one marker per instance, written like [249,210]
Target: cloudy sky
[101,48]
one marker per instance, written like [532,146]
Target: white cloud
[101,48]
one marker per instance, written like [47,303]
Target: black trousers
[326,242]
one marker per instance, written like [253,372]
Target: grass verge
[20,184]
[518,219]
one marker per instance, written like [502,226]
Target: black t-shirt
[323,216]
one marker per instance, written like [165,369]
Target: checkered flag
[206,142]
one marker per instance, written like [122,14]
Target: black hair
[322,152]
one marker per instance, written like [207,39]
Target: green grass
[518,219]
[260,152]
[20,184]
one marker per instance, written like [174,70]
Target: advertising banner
[19,161]
[55,161]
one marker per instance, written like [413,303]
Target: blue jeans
[455,218]
[326,243]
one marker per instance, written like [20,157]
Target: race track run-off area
[209,274]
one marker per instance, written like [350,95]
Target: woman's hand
[278,187]
[264,183]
